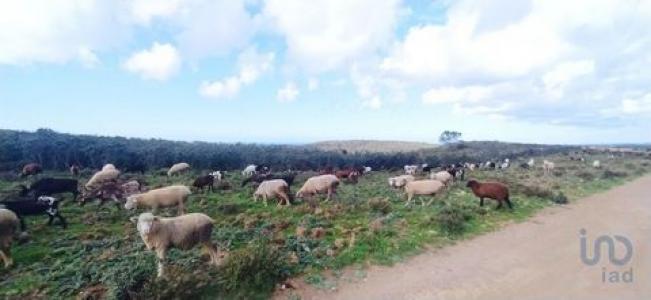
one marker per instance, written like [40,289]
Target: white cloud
[641,105]
[456,94]
[373,103]
[88,58]
[54,31]
[160,62]
[288,93]
[325,35]
[251,66]
[312,84]
[143,11]
[561,75]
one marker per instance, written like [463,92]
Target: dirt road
[537,259]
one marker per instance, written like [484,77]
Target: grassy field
[100,255]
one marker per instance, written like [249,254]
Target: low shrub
[585,175]
[256,267]
[560,198]
[534,190]
[452,218]
[609,174]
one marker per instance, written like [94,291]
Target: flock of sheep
[186,231]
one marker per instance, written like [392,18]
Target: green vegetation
[101,255]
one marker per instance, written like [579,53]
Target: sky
[291,71]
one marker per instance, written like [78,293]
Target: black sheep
[31,207]
[51,186]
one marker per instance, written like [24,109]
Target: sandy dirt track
[536,259]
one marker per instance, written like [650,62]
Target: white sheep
[443,176]
[367,170]
[410,169]
[423,187]
[183,232]
[101,177]
[217,175]
[131,187]
[318,185]
[175,195]
[548,166]
[596,164]
[249,170]
[400,181]
[108,167]
[8,228]
[178,169]
[505,165]
[275,188]
[531,163]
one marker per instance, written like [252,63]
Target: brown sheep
[31,169]
[492,190]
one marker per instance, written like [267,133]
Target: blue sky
[301,71]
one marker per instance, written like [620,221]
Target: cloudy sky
[292,71]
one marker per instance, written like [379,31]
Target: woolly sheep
[319,184]
[31,169]
[367,169]
[492,190]
[102,177]
[162,197]
[249,170]
[411,169]
[217,175]
[183,232]
[531,163]
[423,187]
[548,166]
[443,176]
[178,168]
[400,181]
[596,164]
[108,167]
[8,228]
[276,188]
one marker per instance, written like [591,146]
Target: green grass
[102,251]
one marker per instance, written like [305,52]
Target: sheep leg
[22,223]
[181,208]
[431,200]
[508,202]
[481,201]
[160,254]
[499,205]
[6,258]
[264,198]
[409,197]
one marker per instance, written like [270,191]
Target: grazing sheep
[107,191]
[423,187]
[259,177]
[276,188]
[318,185]
[443,176]
[8,228]
[74,170]
[203,181]
[596,164]
[108,167]
[249,170]
[174,195]
[400,181]
[183,232]
[531,163]
[101,177]
[31,207]
[217,175]
[178,169]
[51,186]
[31,169]
[410,169]
[548,167]
[132,187]
[492,190]
[367,170]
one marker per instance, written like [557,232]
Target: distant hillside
[356,146]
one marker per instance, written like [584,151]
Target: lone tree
[449,136]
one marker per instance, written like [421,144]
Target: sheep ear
[134,220]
